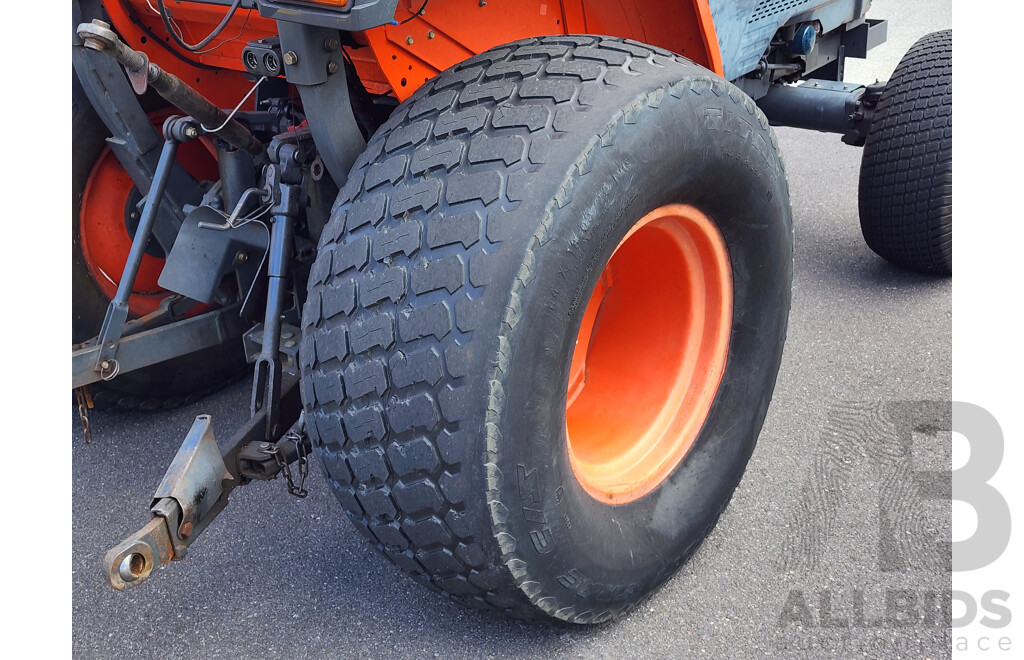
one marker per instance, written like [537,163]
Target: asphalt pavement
[823,551]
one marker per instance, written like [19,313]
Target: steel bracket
[155,345]
[195,482]
[319,76]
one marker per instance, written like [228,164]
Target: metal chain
[84,399]
[301,460]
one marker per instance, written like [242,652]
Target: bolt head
[430,34]
[185,530]
[103,24]
[241,257]
[331,44]
[290,58]
[332,67]
[105,364]
[408,40]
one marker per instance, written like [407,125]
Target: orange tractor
[515,273]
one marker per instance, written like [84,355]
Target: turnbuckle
[267,373]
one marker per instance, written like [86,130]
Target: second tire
[906,175]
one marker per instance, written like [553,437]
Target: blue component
[803,42]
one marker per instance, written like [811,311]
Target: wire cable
[422,7]
[245,24]
[168,23]
[232,113]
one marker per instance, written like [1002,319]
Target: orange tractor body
[397,59]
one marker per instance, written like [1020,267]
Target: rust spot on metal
[133,560]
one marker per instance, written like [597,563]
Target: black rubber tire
[446,297]
[906,172]
[166,385]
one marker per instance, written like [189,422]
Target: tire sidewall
[88,134]
[573,555]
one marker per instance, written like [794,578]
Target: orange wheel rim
[649,354]
[105,240]
[102,230]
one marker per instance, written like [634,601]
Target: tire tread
[906,185]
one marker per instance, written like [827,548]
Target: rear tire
[450,289]
[906,175]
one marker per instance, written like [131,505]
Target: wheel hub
[649,354]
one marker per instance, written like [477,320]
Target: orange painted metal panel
[402,57]
[449,31]
[409,55]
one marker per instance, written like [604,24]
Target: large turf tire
[448,290]
[906,174]
[165,385]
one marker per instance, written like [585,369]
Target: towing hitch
[270,185]
[197,484]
